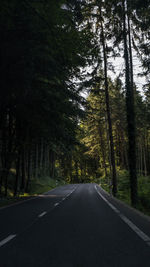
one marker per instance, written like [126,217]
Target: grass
[124,190]
[144,194]
[37,186]
[44,184]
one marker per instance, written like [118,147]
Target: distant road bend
[73,226]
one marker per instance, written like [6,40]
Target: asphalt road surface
[73,226]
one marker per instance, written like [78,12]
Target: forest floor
[38,186]
[124,190]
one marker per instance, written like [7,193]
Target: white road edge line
[140,233]
[6,240]
[42,214]
[56,204]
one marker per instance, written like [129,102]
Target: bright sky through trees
[119,68]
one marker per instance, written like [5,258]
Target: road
[73,226]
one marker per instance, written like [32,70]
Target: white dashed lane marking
[6,240]
[42,214]
[10,237]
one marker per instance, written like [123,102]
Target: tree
[42,52]
[130,107]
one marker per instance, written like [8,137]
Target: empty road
[73,226]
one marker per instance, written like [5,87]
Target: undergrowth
[37,186]
[123,193]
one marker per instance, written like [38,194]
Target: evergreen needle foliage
[62,115]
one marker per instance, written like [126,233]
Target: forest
[71,107]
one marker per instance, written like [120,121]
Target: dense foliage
[51,53]
[42,52]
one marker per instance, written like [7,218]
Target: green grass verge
[44,184]
[124,190]
[37,186]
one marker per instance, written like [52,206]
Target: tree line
[51,51]
[42,52]
[116,128]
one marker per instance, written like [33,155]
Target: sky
[119,66]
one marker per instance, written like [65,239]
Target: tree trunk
[36,160]
[52,164]
[1,182]
[130,114]
[41,155]
[17,174]
[144,158]
[70,169]
[103,151]
[28,171]
[76,170]
[3,158]
[23,169]
[48,161]
[114,178]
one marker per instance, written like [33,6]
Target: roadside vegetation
[67,111]
[38,186]
[123,193]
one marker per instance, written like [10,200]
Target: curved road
[73,226]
